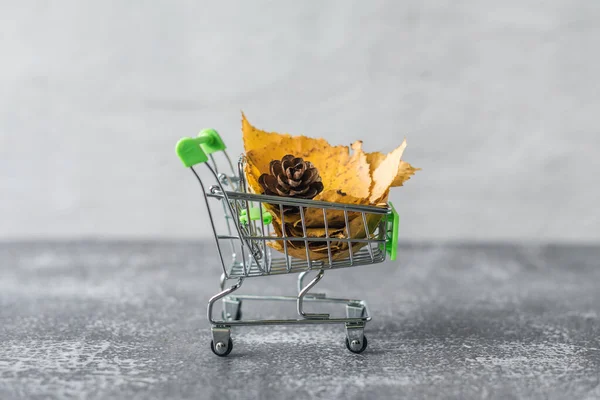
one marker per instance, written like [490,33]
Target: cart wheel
[353,346]
[219,350]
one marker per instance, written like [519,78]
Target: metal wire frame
[249,241]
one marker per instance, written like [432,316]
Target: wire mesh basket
[272,235]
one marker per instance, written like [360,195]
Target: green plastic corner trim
[255,216]
[391,227]
[192,151]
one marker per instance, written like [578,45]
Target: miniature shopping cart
[246,236]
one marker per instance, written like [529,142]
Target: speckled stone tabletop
[127,320]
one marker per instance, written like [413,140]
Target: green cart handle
[192,151]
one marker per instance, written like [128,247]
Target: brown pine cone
[291,177]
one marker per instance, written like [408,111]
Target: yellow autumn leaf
[349,175]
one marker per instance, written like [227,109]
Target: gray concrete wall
[499,102]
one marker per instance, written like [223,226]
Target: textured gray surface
[126,320]
[498,101]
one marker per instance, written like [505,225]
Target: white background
[499,102]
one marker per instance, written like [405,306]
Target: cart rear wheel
[220,349]
[355,347]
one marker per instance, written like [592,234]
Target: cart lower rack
[253,225]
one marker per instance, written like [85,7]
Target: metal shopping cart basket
[249,235]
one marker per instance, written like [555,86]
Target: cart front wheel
[354,345]
[220,348]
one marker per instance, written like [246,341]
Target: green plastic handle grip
[255,215]
[192,151]
[391,227]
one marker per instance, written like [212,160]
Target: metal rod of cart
[245,244]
